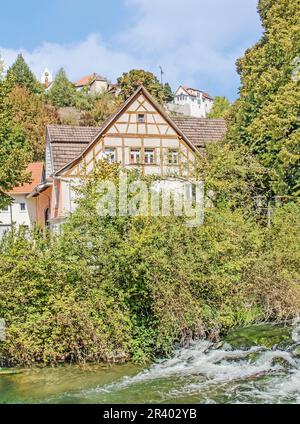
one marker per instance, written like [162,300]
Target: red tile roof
[84,81]
[35,170]
[88,79]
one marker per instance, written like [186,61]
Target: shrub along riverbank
[129,287]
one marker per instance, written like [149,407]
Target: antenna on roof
[161,75]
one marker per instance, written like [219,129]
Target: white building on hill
[94,84]
[191,102]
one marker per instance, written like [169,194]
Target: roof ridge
[71,126]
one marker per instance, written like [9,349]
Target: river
[257,364]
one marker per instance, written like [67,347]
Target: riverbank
[109,289]
[256,364]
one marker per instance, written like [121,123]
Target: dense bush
[114,288]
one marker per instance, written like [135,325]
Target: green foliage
[98,108]
[55,309]
[19,74]
[31,114]
[1,68]
[14,151]
[231,174]
[273,280]
[112,288]
[131,80]
[220,108]
[63,92]
[168,95]
[266,116]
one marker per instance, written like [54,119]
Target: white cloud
[196,42]
[78,59]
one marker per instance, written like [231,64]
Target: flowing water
[258,364]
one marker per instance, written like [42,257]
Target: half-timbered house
[139,135]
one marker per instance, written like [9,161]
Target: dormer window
[141,118]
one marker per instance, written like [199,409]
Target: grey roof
[67,142]
[201,130]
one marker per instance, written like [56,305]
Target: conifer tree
[63,92]
[168,93]
[19,74]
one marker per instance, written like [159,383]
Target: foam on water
[202,370]
[207,373]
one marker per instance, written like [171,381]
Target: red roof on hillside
[88,80]
[84,81]
[35,170]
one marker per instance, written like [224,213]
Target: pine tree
[62,92]
[168,93]
[266,116]
[19,74]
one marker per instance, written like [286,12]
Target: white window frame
[141,118]
[149,156]
[135,155]
[172,154]
[110,154]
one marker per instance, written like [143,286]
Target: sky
[196,42]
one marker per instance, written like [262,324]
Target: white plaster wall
[48,165]
[197,107]
[27,217]
[98,87]
[68,195]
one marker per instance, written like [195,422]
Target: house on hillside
[191,102]
[139,135]
[25,207]
[94,84]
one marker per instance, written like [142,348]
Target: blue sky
[195,41]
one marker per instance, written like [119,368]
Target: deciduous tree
[102,107]
[14,152]
[220,108]
[32,115]
[130,81]
[266,116]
